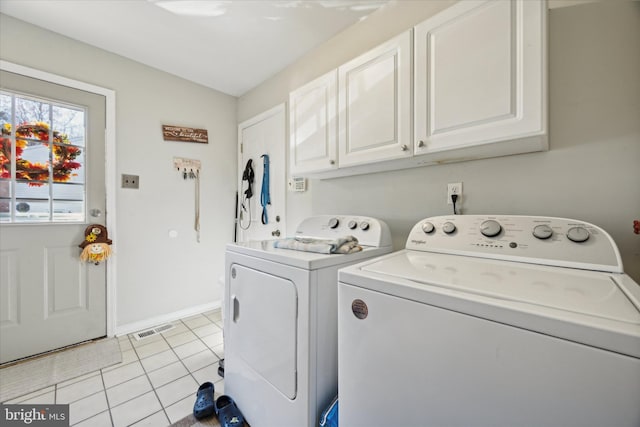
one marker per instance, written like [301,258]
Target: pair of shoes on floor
[224,407]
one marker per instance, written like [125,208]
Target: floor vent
[150,332]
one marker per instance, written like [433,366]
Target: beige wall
[592,171]
[156,274]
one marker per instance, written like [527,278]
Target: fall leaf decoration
[37,174]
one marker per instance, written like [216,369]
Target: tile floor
[156,383]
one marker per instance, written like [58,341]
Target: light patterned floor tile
[206,330]
[88,407]
[159,360]
[41,399]
[179,328]
[196,321]
[79,390]
[128,356]
[20,399]
[199,360]
[159,419]
[213,340]
[219,351]
[135,410]
[164,375]
[210,373]
[129,390]
[122,374]
[186,350]
[179,339]
[125,344]
[103,419]
[180,409]
[177,390]
[152,348]
[80,378]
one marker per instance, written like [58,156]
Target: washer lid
[593,308]
[571,290]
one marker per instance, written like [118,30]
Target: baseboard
[166,318]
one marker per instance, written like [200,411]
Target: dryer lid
[576,291]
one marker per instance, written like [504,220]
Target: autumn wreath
[64,154]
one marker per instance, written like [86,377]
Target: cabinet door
[313,126]
[480,75]
[374,104]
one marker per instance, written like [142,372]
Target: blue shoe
[204,406]
[228,413]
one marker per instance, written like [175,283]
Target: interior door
[48,298]
[263,134]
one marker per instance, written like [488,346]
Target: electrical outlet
[130,181]
[454,188]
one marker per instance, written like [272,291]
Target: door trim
[110,166]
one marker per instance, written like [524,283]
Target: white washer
[280,328]
[491,321]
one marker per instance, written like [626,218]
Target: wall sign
[179,133]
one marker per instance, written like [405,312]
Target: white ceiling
[230,46]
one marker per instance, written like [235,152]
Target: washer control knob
[352,225]
[364,225]
[542,231]
[428,228]
[578,234]
[448,227]
[490,228]
[334,222]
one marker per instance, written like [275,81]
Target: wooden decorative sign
[178,133]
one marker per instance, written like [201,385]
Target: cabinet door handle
[404,147]
[235,308]
[420,143]
[332,162]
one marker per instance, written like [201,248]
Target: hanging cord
[247,175]
[197,221]
[265,197]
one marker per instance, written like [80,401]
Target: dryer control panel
[369,231]
[532,239]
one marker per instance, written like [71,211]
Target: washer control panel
[532,239]
[369,231]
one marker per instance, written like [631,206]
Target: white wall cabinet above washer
[481,78]
[313,126]
[374,104]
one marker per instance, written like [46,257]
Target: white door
[260,136]
[56,135]
[480,74]
[374,104]
[313,124]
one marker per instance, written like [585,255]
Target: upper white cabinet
[468,83]
[374,104]
[481,78]
[314,126]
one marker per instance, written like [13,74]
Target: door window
[42,160]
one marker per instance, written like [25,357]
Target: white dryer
[491,321]
[280,330]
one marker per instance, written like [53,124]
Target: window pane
[32,161]
[31,210]
[68,192]
[68,163]
[5,133]
[68,125]
[27,190]
[68,211]
[5,201]
[34,116]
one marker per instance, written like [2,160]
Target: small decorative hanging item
[190,169]
[95,247]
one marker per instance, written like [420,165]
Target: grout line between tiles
[106,396]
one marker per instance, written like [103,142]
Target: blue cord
[265,197]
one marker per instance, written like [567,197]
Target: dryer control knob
[542,231]
[352,225]
[490,228]
[334,222]
[578,234]
[428,228]
[448,227]
[364,226]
